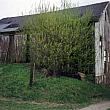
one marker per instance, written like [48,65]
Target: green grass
[11,105]
[14,79]
[108,109]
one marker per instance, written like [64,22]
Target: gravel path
[99,106]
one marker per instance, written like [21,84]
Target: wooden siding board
[102,28]
[107,43]
[12,51]
[99,50]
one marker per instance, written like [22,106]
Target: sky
[11,8]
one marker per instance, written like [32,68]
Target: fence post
[32,74]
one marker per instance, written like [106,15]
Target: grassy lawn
[14,79]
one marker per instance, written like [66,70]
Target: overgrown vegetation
[62,41]
[14,80]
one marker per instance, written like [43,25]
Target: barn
[13,42]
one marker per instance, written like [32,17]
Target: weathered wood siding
[107,43]
[12,48]
[20,46]
[4,44]
[102,48]
[99,51]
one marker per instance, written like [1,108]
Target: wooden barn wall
[12,48]
[4,44]
[20,45]
[107,44]
[99,50]
[102,48]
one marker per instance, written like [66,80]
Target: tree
[61,40]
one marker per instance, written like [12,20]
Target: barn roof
[96,9]
[13,23]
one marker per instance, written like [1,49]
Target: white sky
[9,8]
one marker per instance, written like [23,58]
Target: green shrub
[62,41]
